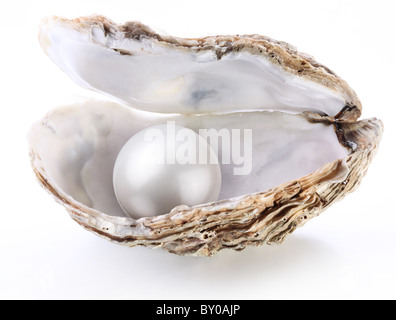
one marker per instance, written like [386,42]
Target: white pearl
[151,175]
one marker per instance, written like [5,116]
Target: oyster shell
[309,148]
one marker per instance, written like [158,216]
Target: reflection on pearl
[160,168]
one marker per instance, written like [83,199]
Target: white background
[349,252]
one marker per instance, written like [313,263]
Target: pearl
[165,166]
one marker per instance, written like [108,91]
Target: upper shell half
[308,147]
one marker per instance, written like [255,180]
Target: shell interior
[79,145]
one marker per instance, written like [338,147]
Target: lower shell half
[303,163]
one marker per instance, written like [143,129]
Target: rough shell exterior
[264,218]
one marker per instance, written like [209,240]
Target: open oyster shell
[309,148]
